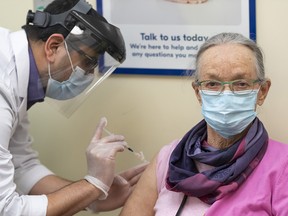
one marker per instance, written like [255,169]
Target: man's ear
[51,46]
[263,92]
[196,90]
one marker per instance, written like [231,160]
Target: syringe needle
[109,133]
[130,149]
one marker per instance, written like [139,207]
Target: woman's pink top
[265,192]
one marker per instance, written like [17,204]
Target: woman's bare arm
[142,200]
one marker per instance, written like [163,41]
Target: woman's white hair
[232,38]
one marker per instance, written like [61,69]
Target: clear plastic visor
[89,54]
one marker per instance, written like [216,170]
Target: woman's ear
[196,90]
[51,46]
[263,92]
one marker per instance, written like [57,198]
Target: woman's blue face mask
[228,113]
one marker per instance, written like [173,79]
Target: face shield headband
[100,30]
[99,46]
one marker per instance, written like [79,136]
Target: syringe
[139,155]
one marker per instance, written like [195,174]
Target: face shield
[94,47]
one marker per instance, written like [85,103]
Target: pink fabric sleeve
[162,164]
[280,193]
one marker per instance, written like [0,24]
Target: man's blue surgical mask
[228,113]
[77,83]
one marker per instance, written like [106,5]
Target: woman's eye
[242,84]
[213,84]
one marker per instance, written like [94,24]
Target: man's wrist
[98,184]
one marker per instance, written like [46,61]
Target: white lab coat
[20,168]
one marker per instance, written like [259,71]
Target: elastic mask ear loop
[49,71]
[69,57]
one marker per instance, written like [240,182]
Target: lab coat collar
[20,48]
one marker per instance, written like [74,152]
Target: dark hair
[36,33]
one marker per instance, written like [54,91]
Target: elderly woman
[226,164]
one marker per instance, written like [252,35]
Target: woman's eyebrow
[214,76]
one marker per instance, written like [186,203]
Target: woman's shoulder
[277,148]
[167,149]
[162,162]
[276,155]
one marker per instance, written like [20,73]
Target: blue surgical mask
[228,113]
[70,88]
[76,84]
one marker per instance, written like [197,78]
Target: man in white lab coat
[59,53]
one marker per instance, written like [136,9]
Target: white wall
[149,110]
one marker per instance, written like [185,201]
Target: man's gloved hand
[120,190]
[100,156]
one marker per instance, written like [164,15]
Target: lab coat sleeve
[17,158]
[28,169]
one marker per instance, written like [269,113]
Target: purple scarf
[232,165]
